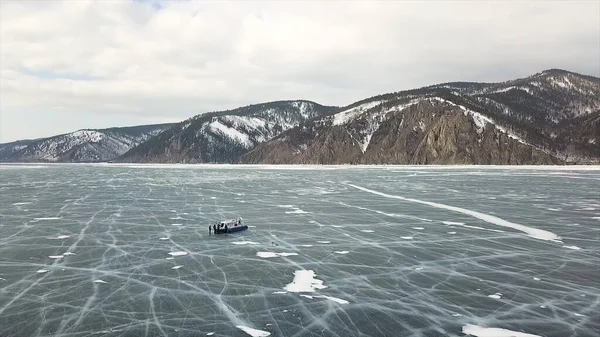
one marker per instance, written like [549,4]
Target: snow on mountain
[345,116]
[224,136]
[82,145]
[548,117]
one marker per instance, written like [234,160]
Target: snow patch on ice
[100,281]
[267,255]
[177,253]
[418,228]
[324,241]
[253,332]
[367,230]
[41,271]
[479,331]
[176,267]
[532,232]
[573,247]
[407,237]
[450,223]
[334,299]
[297,211]
[245,243]
[475,227]
[45,219]
[496,295]
[304,281]
[342,252]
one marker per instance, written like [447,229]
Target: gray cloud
[77,64]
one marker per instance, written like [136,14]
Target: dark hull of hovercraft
[231,229]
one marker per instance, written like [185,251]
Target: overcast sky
[93,64]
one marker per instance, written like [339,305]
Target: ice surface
[118,221]
[533,232]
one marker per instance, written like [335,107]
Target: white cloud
[105,61]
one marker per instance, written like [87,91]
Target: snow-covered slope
[224,136]
[81,145]
[548,117]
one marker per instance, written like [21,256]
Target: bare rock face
[425,133]
[549,118]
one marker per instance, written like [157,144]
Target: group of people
[222,227]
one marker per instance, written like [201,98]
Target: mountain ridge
[223,136]
[550,117]
[83,145]
[536,112]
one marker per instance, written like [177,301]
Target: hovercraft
[227,226]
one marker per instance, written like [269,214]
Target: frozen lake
[124,250]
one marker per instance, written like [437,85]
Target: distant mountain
[551,117]
[223,137]
[80,146]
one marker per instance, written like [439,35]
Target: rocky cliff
[548,118]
